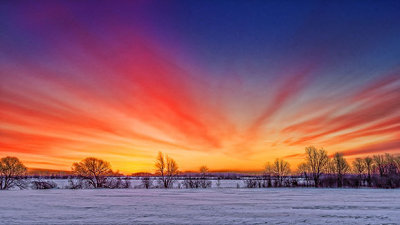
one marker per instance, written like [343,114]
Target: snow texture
[201,206]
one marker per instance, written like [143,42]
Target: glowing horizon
[229,85]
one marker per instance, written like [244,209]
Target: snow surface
[201,206]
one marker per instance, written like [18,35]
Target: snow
[201,206]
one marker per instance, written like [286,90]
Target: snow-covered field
[201,206]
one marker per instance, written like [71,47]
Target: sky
[226,84]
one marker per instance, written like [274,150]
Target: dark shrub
[41,185]
[117,183]
[75,184]
[147,182]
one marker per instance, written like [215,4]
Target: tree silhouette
[93,170]
[368,166]
[304,170]
[379,162]
[11,169]
[166,169]
[359,168]
[341,167]
[281,169]
[317,161]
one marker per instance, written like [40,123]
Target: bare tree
[330,167]
[11,170]
[341,167]
[166,169]
[203,170]
[317,161]
[368,166]
[359,168]
[390,164]
[281,169]
[379,161]
[268,173]
[269,169]
[204,182]
[397,161]
[93,170]
[304,170]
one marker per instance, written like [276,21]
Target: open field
[201,206]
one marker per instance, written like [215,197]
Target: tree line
[318,170]
[89,173]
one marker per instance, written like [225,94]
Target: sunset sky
[227,84]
